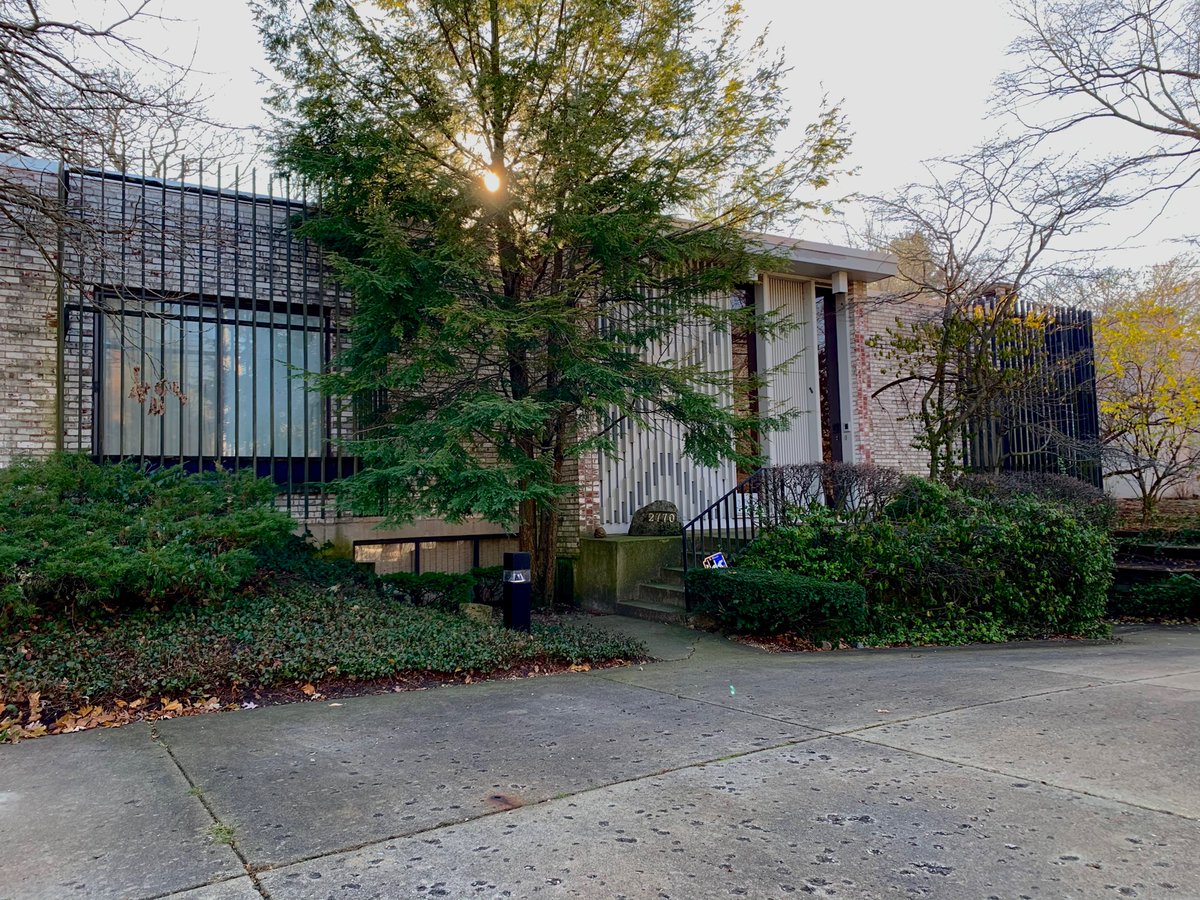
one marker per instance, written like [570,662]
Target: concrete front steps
[661,600]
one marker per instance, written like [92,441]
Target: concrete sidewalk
[1047,770]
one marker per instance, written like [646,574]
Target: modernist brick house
[188,314]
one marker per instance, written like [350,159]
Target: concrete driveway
[1047,770]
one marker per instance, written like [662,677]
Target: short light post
[518,591]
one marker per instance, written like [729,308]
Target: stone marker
[480,612]
[659,518]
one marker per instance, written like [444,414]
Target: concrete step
[654,612]
[672,575]
[661,593]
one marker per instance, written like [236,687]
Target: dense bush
[758,602]
[439,590]
[489,584]
[1173,597]
[999,567]
[76,535]
[1084,500]
[296,556]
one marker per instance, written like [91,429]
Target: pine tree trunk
[545,559]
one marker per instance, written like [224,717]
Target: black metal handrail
[775,496]
[725,527]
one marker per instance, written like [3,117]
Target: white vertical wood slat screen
[649,462]
[795,388]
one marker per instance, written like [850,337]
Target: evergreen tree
[524,197]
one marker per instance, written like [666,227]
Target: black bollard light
[518,591]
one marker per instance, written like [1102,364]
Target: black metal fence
[1051,421]
[192,323]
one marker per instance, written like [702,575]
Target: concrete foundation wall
[610,569]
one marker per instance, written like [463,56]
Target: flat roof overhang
[815,260]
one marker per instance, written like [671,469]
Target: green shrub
[1174,597]
[297,557]
[80,536]
[1084,500]
[766,602]
[1012,566]
[439,590]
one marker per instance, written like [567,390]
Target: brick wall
[28,339]
[884,433]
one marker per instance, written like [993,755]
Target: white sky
[915,78]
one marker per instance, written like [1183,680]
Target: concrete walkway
[1048,770]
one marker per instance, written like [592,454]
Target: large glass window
[192,380]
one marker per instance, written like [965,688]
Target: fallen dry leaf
[308,689]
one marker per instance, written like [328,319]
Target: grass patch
[301,634]
[220,833]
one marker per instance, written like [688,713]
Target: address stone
[657,519]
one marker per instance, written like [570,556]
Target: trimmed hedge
[1174,597]
[764,602]
[439,590]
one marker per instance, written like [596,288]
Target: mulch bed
[35,719]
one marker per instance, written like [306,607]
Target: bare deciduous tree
[84,91]
[973,244]
[1135,63]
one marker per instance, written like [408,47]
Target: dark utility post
[518,591]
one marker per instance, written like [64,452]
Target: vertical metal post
[237,317]
[270,308]
[79,367]
[200,314]
[181,227]
[288,378]
[162,306]
[142,317]
[304,348]
[254,410]
[218,355]
[327,343]
[60,330]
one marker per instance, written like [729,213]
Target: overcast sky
[915,78]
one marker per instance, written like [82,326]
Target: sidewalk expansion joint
[1024,778]
[196,791]
[196,887]
[856,734]
[408,835]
